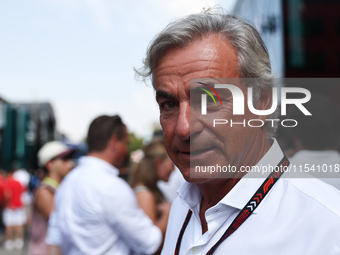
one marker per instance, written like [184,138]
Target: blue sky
[79,56]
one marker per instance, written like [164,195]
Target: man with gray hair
[217,213]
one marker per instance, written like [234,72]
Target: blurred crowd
[27,200]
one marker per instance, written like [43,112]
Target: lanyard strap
[245,212]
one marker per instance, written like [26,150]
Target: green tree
[135,142]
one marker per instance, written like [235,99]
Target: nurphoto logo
[238,103]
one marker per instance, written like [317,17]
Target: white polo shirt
[298,216]
[97,213]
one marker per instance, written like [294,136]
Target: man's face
[199,142]
[61,166]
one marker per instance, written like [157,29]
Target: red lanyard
[245,212]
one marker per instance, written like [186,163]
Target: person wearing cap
[55,160]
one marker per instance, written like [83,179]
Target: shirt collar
[99,164]
[242,192]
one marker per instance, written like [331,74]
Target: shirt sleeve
[128,219]
[53,236]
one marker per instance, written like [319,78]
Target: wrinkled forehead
[211,52]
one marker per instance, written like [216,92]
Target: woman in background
[155,165]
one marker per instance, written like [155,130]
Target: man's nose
[188,123]
[183,122]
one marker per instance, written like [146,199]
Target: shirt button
[194,250]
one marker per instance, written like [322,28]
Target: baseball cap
[52,150]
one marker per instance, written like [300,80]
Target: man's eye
[210,99]
[167,105]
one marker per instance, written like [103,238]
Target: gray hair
[253,57]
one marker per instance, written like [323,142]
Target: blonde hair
[145,173]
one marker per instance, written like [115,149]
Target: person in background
[14,214]
[23,177]
[55,160]
[155,165]
[96,212]
[169,188]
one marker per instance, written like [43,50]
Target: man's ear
[49,165]
[112,144]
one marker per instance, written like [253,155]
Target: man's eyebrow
[162,94]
